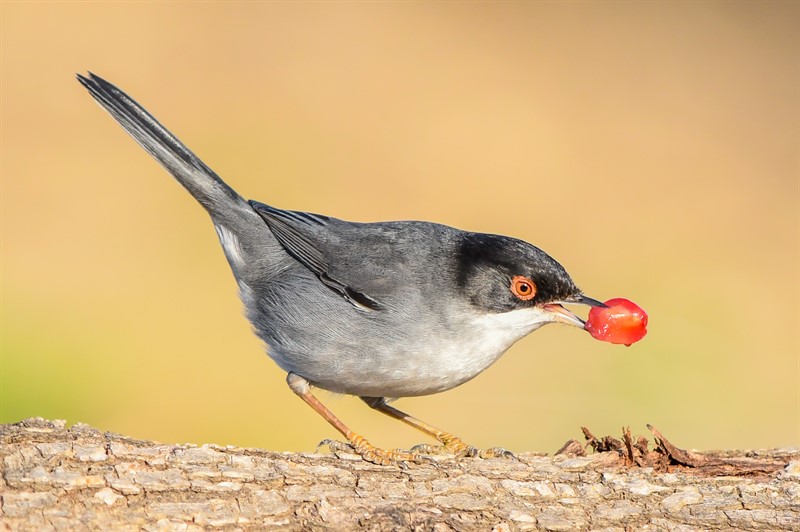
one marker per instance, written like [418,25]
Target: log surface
[54,477]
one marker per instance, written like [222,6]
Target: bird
[379,310]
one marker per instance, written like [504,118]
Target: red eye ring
[523,288]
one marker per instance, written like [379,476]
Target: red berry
[621,321]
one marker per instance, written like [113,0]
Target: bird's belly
[417,371]
[425,365]
[429,369]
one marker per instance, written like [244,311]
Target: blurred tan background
[652,148]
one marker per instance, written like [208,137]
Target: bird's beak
[562,315]
[586,300]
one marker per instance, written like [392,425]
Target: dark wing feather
[295,232]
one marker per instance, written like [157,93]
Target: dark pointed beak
[562,315]
[586,300]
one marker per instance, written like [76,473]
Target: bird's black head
[500,274]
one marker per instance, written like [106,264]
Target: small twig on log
[572,448]
[713,465]
[676,454]
[604,444]
[626,437]
[669,457]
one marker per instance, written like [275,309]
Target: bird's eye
[523,288]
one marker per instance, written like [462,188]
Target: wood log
[59,478]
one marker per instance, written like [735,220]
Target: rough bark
[79,478]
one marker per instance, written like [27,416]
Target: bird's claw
[497,452]
[336,446]
[455,446]
[376,455]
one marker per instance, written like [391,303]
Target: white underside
[428,365]
[444,365]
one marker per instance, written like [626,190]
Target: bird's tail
[251,248]
[220,200]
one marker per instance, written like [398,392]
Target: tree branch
[54,477]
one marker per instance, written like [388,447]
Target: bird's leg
[360,445]
[449,442]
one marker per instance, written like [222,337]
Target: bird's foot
[456,446]
[360,446]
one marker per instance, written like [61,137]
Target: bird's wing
[306,237]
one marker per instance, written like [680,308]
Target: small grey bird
[377,310]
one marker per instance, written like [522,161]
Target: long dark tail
[205,185]
[251,249]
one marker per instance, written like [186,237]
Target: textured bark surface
[79,478]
